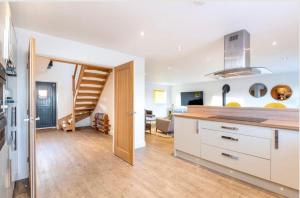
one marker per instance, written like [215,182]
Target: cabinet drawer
[236,128]
[245,163]
[260,147]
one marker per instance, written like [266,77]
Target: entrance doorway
[46,104]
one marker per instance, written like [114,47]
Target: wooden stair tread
[86,88]
[85,105]
[93,82]
[81,117]
[104,69]
[86,100]
[94,75]
[82,114]
[86,114]
[83,110]
[89,94]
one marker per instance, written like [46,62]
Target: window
[159,96]
[43,94]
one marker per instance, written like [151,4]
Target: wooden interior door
[31,117]
[124,112]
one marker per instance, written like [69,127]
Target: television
[191,98]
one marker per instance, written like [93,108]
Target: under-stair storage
[101,122]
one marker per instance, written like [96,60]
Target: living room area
[158,110]
[160,105]
[163,100]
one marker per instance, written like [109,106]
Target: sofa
[165,125]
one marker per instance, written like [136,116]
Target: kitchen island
[256,145]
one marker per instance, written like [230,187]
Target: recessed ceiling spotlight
[198,2]
[274,43]
[208,59]
[142,33]
[179,48]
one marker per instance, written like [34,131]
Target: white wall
[106,102]
[159,110]
[61,74]
[22,100]
[240,90]
[63,48]
[139,103]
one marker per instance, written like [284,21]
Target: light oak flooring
[21,189]
[81,164]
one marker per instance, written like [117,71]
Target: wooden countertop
[279,124]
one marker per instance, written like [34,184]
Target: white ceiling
[198,28]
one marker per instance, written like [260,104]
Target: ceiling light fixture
[50,65]
[179,48]
[274,43]
[142,33]
[198,2]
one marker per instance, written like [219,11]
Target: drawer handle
[229,156]
[230,128]
[229,138]
[276,139]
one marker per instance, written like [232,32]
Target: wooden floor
[81,164]
[21,189]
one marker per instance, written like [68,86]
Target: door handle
[15,140]
[37,118]
[197,127]
[26,119]
[132,113]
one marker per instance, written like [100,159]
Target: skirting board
[140,144]
[268,185]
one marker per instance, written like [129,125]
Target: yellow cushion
[275,105]
[233,104]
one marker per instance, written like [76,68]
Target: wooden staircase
[88,84]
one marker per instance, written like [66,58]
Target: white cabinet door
[3,172]
[186,136]
[285,158]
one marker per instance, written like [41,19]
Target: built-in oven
[3,121]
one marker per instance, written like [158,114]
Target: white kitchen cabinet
[3,171]
[255,146]
[187,137]
[285,158]
[256,166]
[262,156]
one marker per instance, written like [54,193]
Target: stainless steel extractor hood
[237,57]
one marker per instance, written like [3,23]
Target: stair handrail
[75,87]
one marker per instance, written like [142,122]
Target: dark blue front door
[46,104]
